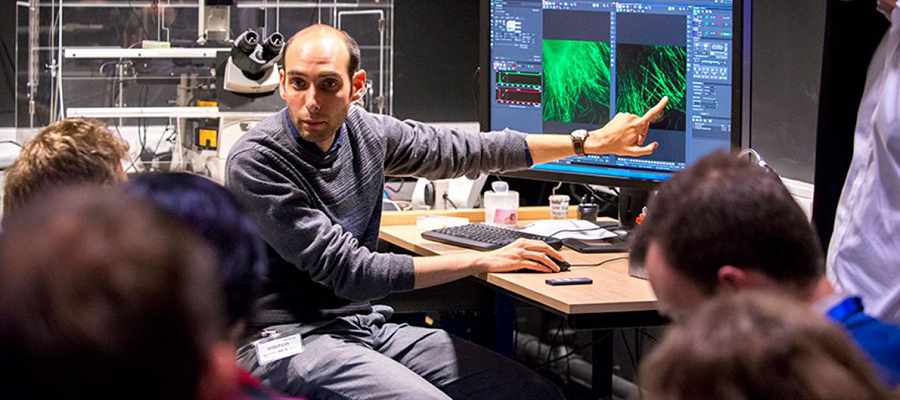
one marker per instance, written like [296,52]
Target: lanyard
[845,309]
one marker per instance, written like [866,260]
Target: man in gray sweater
[314,175]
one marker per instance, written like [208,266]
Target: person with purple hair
[216,215]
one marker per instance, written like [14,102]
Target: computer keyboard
[484,237]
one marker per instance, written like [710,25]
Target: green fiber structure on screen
[644,74]
[576,81]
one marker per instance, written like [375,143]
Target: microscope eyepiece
[247,42]
[272,46]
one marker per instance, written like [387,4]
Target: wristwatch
[578,138]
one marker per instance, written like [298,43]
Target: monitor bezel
[484,104]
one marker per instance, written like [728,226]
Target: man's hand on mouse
[523,253]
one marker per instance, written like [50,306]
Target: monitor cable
[753,154]
[601,263]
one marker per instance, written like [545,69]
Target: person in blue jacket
[724,225]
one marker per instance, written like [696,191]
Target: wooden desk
[614,300]
[613,289]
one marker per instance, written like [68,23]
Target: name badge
[274,348]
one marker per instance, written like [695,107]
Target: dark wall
[7,66]
[853,31]
[787,61]
[435,57]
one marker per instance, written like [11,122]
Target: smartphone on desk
[569,281]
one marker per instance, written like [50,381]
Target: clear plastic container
[559,206]
[501,206]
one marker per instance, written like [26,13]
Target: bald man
[314,175]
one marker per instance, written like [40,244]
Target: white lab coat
[864,254]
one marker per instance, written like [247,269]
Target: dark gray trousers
[365,357]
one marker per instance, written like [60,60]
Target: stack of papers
[568,228]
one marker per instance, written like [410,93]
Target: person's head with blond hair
[756,346]
[74,150]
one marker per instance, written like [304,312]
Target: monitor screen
[558,66]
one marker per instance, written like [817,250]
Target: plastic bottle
[501,206]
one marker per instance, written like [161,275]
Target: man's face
[677,295]
[316,86]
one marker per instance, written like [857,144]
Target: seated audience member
[723,225]
[74,150]
[757,346]
[104,296]
[214,213]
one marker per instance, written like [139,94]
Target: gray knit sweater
[320,212]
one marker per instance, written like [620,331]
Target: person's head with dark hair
[105,296]
[320,78]
[74,150]
[756,346]
[724,224]
[213,212]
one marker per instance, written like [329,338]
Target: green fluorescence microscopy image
[576,81]
[644,74]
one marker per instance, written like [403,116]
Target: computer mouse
[563,265]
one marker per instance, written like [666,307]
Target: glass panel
[148,70]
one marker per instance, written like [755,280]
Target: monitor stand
[631,203]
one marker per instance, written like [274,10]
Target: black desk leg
[504,325]
[602,355]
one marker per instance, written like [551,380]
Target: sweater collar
[311,147]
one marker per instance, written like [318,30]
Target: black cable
[132,167]
[398,189]
[476,90]
[160,140]
[601,263]
[8,54]
[552,340]
[649,336]
[10,76]
[628,349]
[590,189]
[574,230]
[576,350]
[568,368]
[316,10]
[638,347]
[139,20]
[515,332]
[11,141]
[447,198]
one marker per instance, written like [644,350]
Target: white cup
[559,206]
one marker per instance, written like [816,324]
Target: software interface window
[558,66]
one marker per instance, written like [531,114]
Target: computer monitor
[558,66]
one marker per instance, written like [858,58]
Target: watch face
[581,133]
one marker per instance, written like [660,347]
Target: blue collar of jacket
[846,309]
[309,146]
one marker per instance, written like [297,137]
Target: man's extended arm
[624,135]
[416,149]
